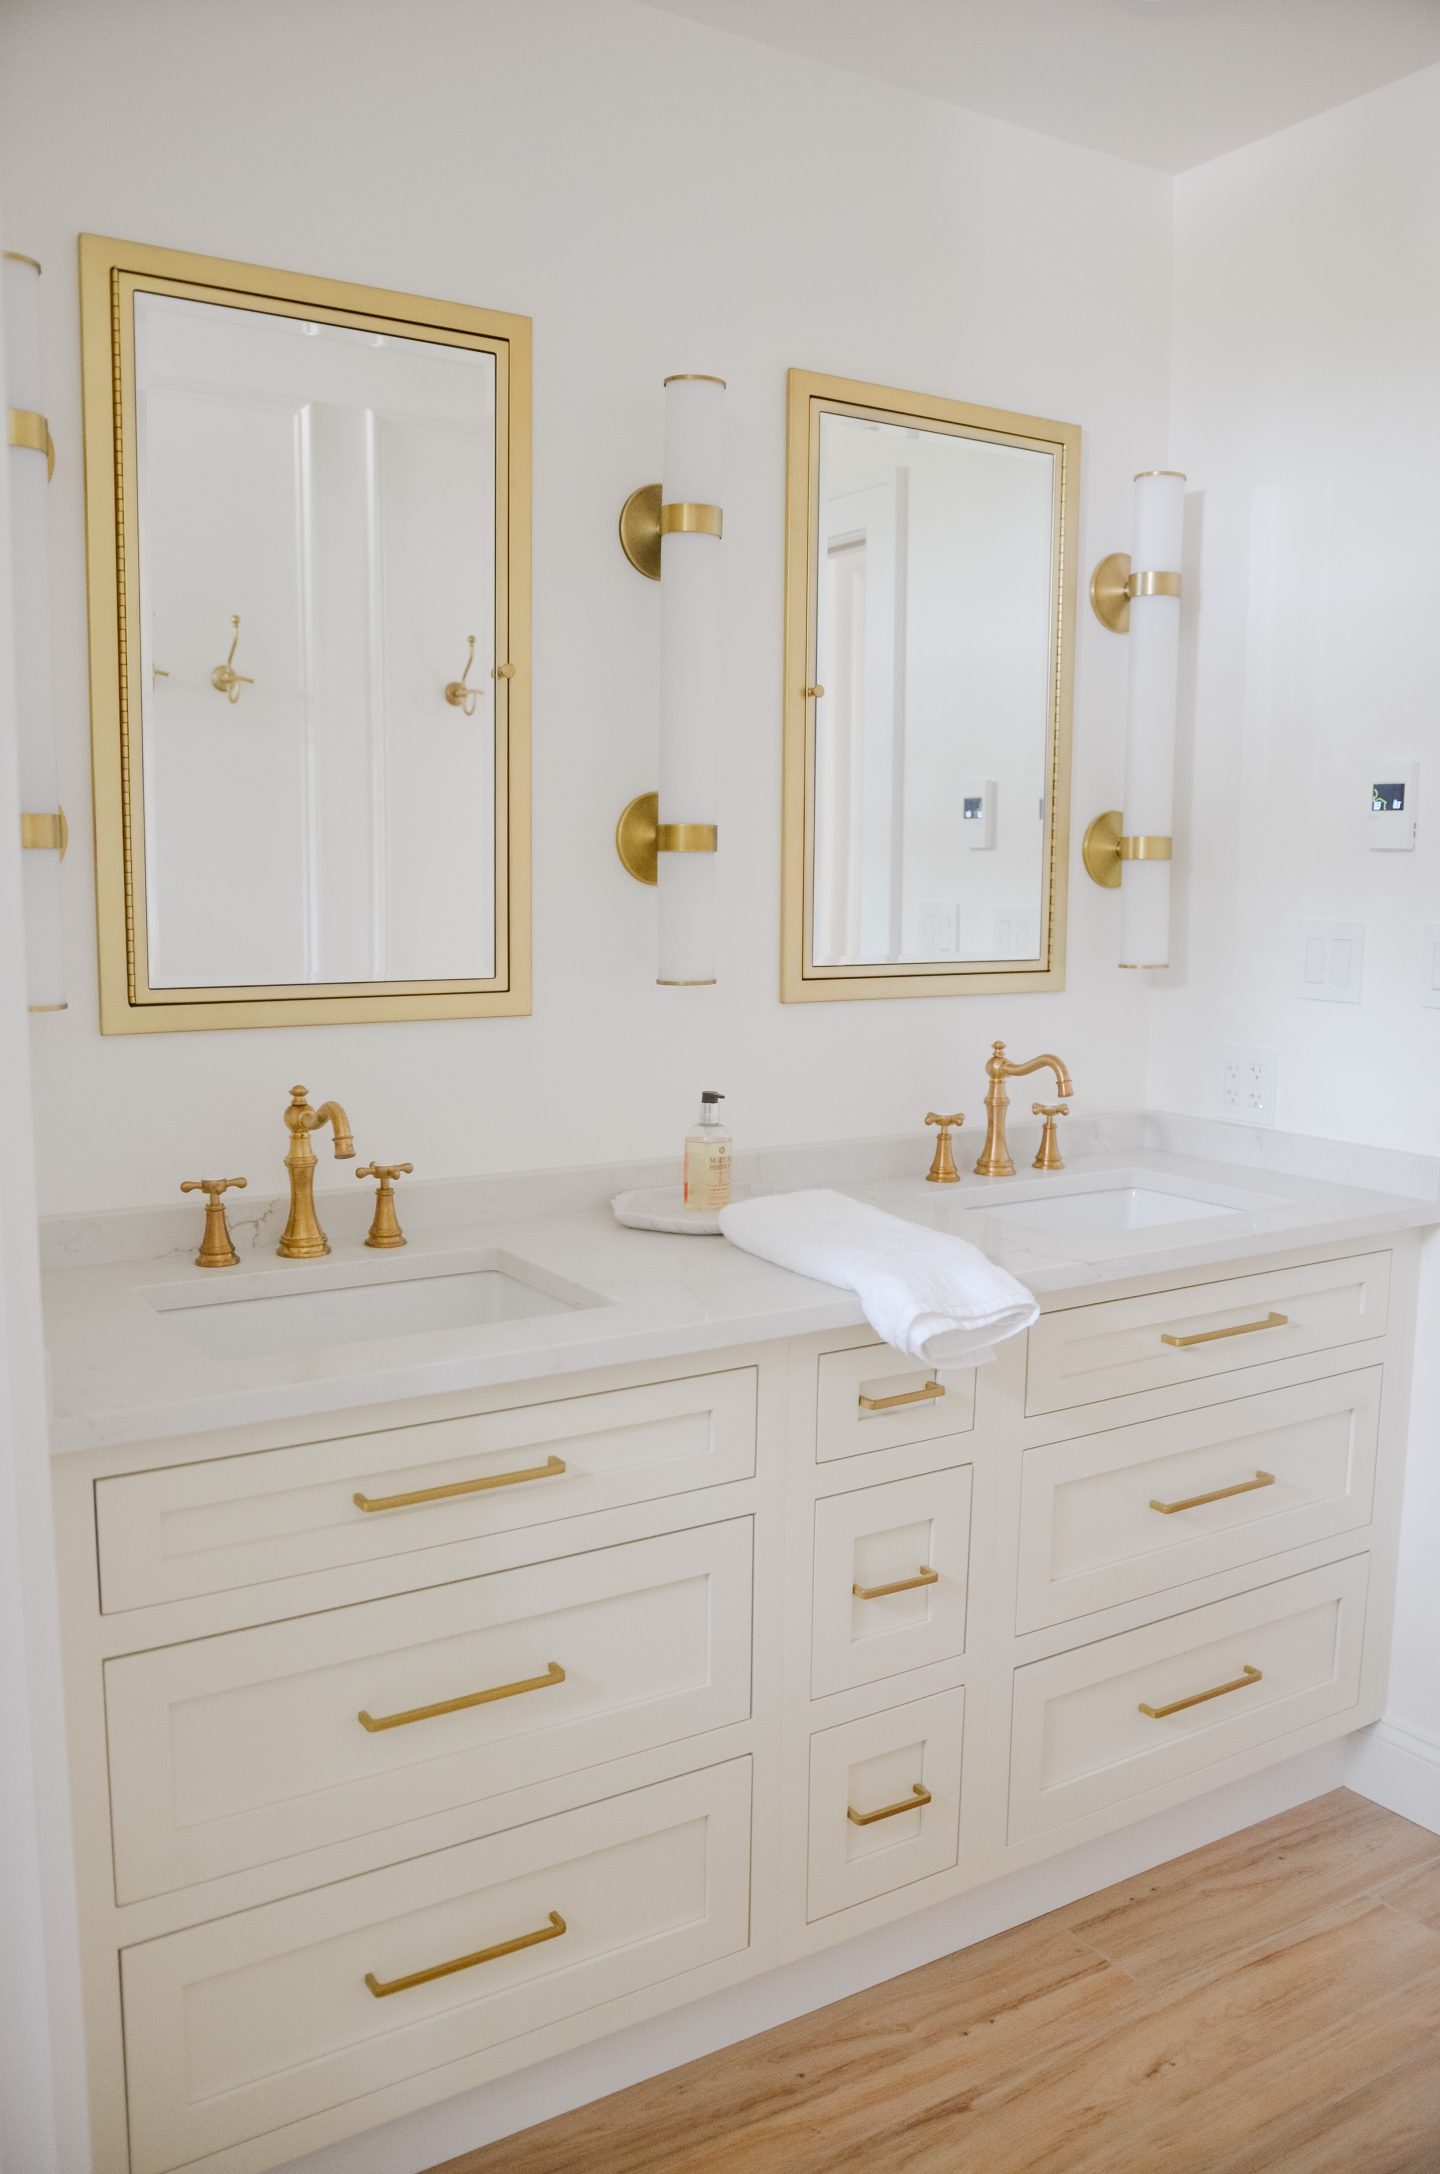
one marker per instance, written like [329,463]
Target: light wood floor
[1268,2005]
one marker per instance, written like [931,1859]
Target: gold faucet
[995,1155]
[304,1240]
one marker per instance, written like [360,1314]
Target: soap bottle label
[707,1174]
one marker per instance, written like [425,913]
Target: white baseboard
[1399,1768]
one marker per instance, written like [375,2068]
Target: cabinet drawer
[1114,1516]
[876,1398]
[1239,1673]
[860,1844]
[236,2028]
[204,1528]
[237,1750]
[1123,1345]
[906,1545]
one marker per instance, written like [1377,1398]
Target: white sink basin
[1101,1209]
[1108,1209]
[304,1304]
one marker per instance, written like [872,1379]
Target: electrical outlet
[1247,1084]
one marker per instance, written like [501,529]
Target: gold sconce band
[45,833]
[1145,849]
[1113,584]
[686,838]
[1153,585]
[1106,846]
[641,837]
[691,517]
[644,520]
[33,432]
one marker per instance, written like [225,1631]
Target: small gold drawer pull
[916,1801]
[1241,1682]
[549,1470]
[552,1931]
[901,1585]
[554,1673]
[1241,1328]
[1217,1494]
[925,1395]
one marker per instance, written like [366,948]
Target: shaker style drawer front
[892,1570]
[235,2028]
[876,1398]
[884,1802]
[1101,1726]
[238,1750]
[206,1528]
[1112,1517]
[1123,1345]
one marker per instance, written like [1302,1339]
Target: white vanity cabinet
[419,1742]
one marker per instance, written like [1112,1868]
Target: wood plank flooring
[1268,2005]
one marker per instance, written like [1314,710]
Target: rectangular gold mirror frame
[110,272]
[812,394]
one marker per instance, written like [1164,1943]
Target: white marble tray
[662,1207]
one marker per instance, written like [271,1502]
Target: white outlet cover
[1248,1084]
[1331,966]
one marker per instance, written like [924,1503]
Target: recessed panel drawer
[892,1567]
[205,1528]
[1101,1726]
[1112,1517]
[884,1802]
[875,1398]
[1122,1345]
[241,1749]
[235,2028]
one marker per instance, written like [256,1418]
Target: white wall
[650,192]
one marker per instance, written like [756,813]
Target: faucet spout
[340,1126]
[995,1160]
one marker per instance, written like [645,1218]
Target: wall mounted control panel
[1394,792]
[977,813]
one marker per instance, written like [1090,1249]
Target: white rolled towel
[932,1296]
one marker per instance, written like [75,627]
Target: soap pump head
[709,1107]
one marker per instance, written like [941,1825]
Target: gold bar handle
[915,1802]
[925,1395]
[1214,1336]
[1241,1682]
[554,1673]
[552,1931]
[901,1585]
[549,1470]
[1217,1494]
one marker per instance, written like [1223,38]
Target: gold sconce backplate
[1100,850]
[638,830]
[1110,594]
[640,541]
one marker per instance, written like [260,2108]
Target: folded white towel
[932,1296]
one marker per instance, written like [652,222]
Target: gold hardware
[927,1576]
[640,837]
[217,1249]
[686,838]
[1112,585]
[458,692]
[1214,1336]
[693,377]
[1100,849]
[926,1395]
[32,430]
[691,517]
[225,679]
[1198,1698]
[995,1159]
[640,530]
[303,1239]
[552,1931]
[1152,584]
[503,671]
[45,833]
[550,1469]
[918,1798]
[385,1228]
[18,256]
[1145,849]
[1048,1156]
[813,694]
[554,1673]
[942,1169]
[1217,1494]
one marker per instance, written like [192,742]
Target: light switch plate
[1430,966]
[1332,961]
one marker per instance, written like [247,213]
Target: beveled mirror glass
[929,612]
[309,520]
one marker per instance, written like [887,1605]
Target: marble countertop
[133,1356]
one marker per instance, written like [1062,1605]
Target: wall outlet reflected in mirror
[1247,1084]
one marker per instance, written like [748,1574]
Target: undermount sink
[300,1307]
[1112,1205]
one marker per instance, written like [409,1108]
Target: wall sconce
[671,533]
[43,830]
[1144,604]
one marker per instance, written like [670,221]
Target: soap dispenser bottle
[707,1159]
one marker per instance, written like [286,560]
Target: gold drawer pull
[552,1931]
[549,1470]
[926,1395]
[1242,1328]
[554,1673]
[1217,1494]
[1241,1682]
[916,1801]
[901,1585]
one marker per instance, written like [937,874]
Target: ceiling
[1168,83]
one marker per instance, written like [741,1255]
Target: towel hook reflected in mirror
[458,692]
[225,679]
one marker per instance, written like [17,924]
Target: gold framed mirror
[308,528]
[929,635]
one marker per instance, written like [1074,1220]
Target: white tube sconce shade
[673,532]
[1140,595]
[31,456]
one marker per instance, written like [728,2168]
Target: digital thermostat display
[1394,804]
[1386,799]
[974,806]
